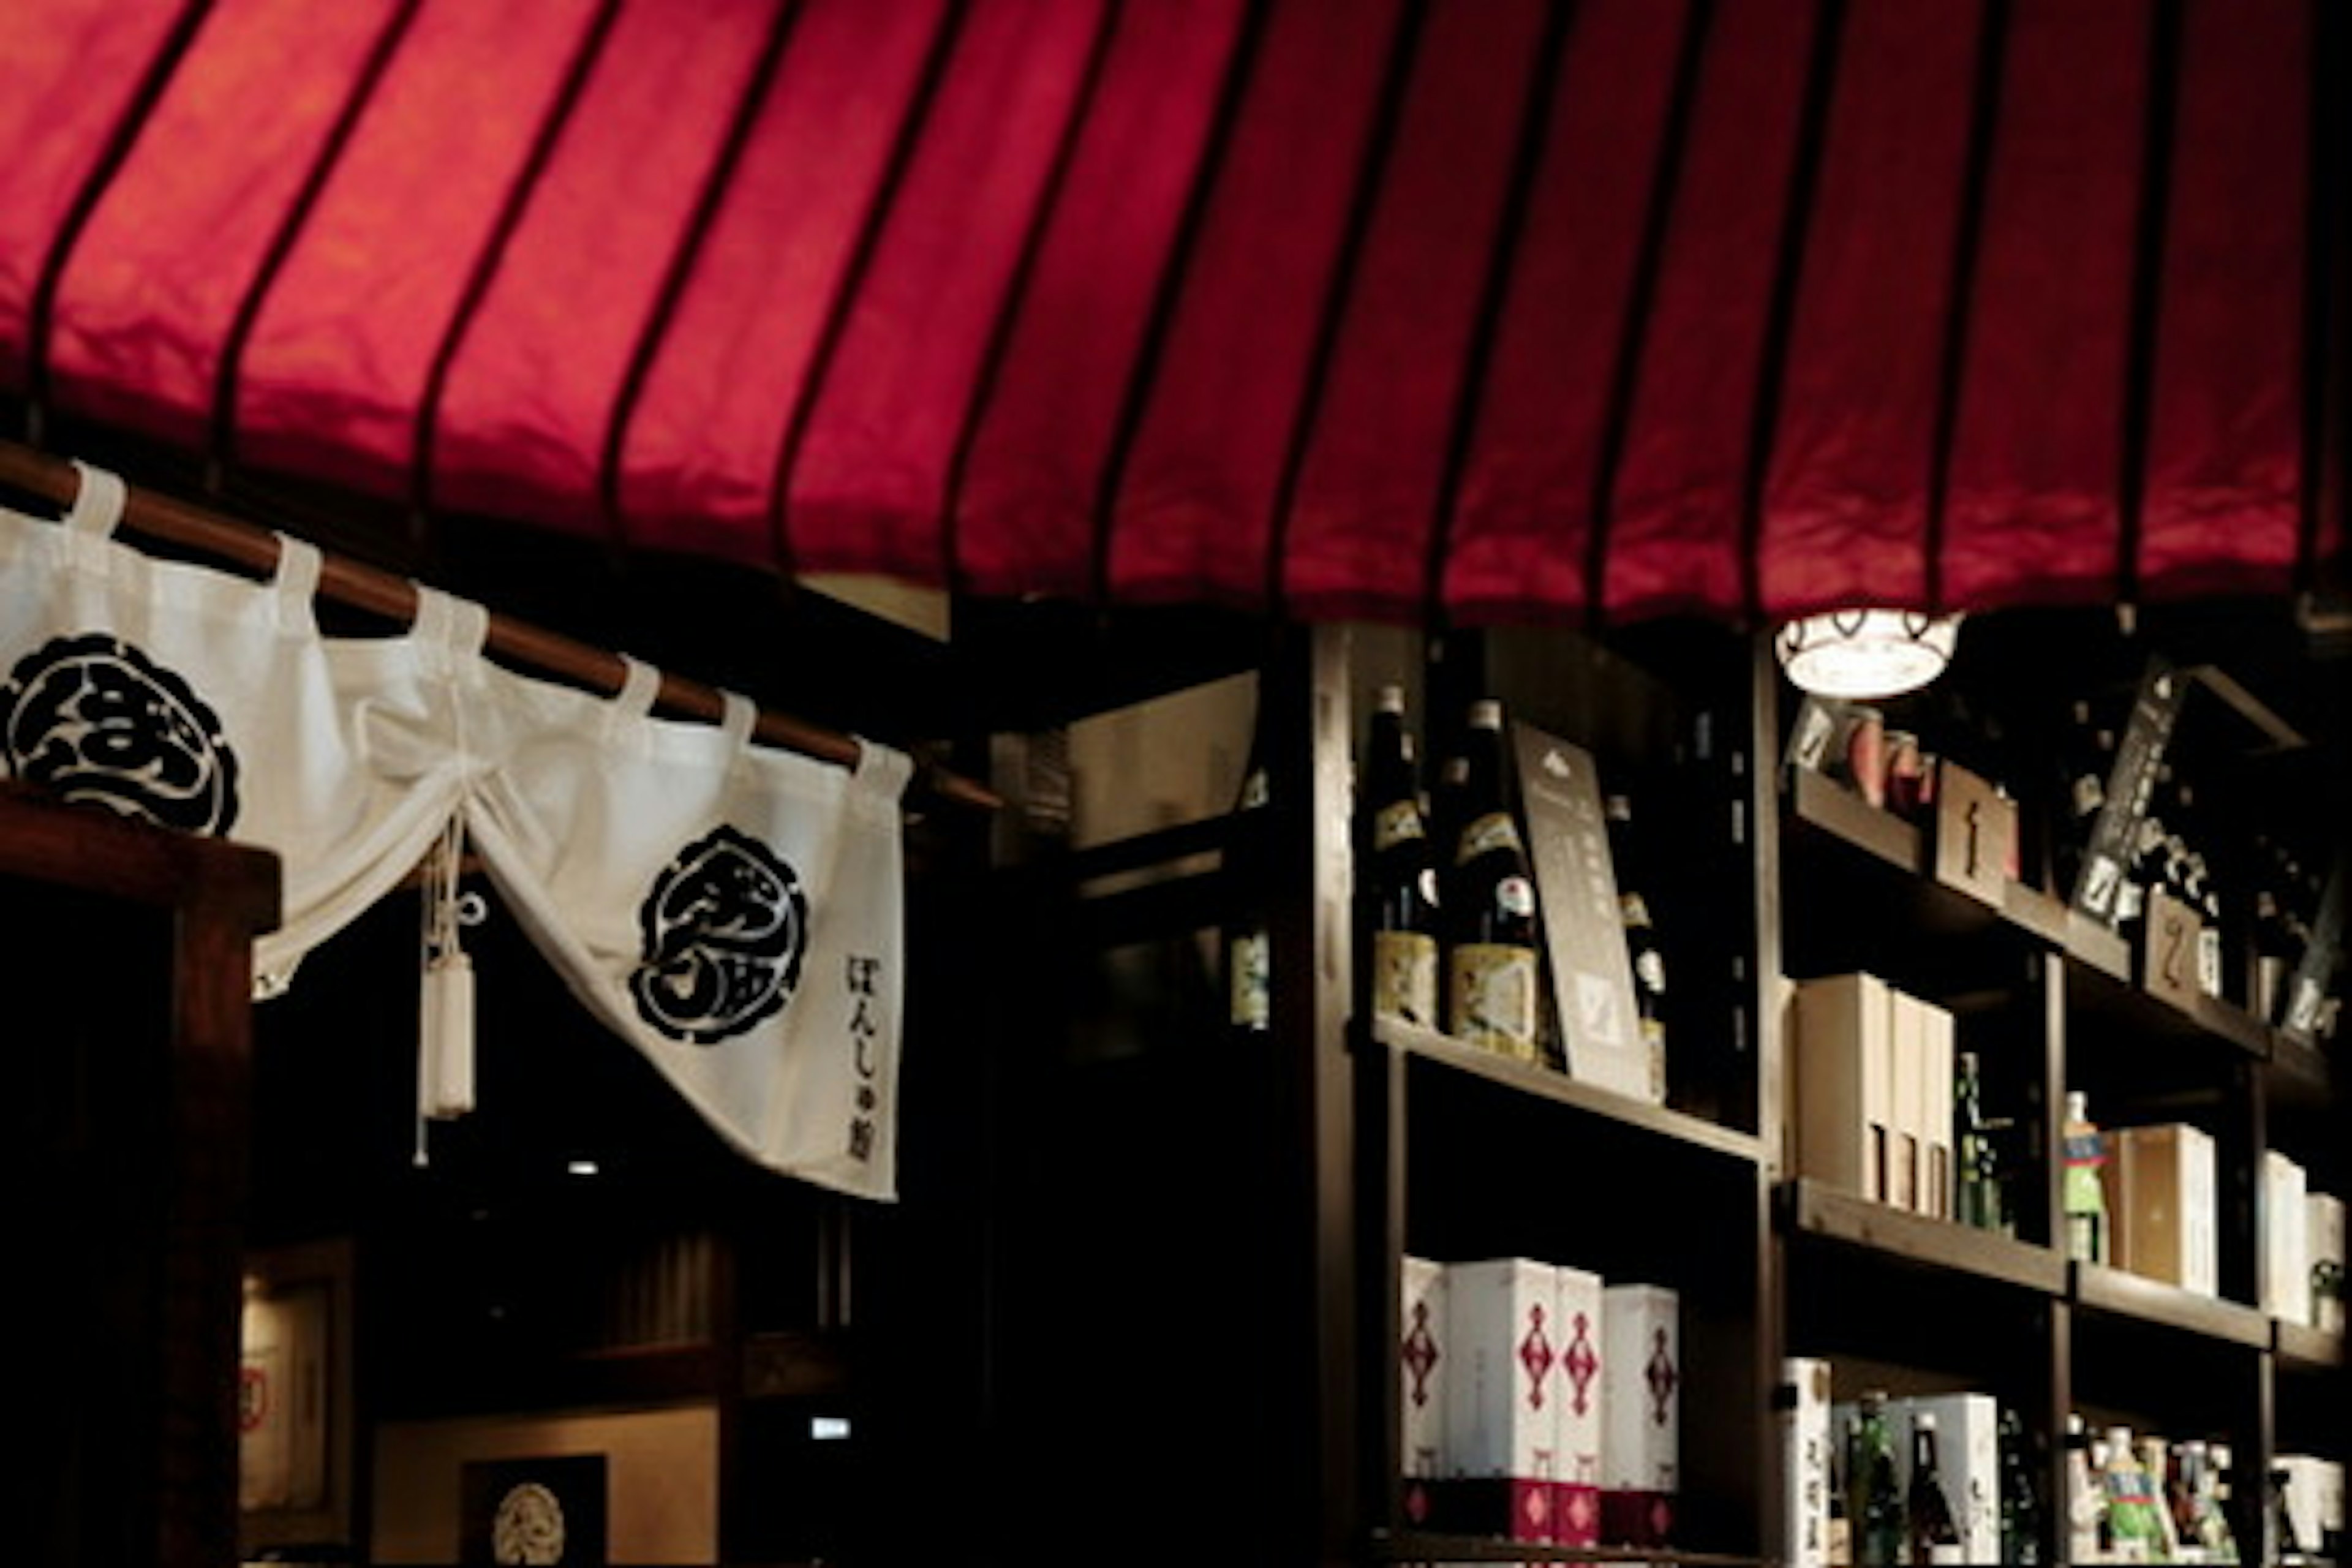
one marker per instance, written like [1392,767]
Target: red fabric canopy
[1501,307]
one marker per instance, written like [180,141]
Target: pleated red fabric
[1520,535]
[160,280]
[2224,463]
[1484,309]
[705,439]
[1845,501]
[69,78]
[342,371]
[1046,440]
[536,381]
[1681,498]
[2038,445]
[867,490]
[1194,515]
[1357,541]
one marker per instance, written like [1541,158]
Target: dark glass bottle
[1981,1201]
[1399,877]
[1933,1533]
[1491,963]
[1874,1502]
[2021,1505]
[1248,867]
[1649,960]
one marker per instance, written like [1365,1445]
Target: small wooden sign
[1976,835]
[2168,958]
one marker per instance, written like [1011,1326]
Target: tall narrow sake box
[1844,1100]
[1580,1373]
[1640,1399]
[1801,1406]
[2286,1255]
[1422,1366]
[1502,1413]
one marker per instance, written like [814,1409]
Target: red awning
[1501,307]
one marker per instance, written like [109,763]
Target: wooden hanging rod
[387,594]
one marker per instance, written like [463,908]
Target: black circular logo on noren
[97,720]
[725,928]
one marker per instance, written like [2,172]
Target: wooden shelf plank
[2100,992]
[2114,1291]
[1816,1210]
[1547,1084]
[2304,1348]
[1905,849]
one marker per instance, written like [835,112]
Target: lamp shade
[1866,653]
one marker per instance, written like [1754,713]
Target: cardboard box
[1502,1419]
[1641,1404]
[1423,1361]
[2285,1256]
[1801,1404]
[1934,1028]
[2315,1502]
[1843,1104]
[2161,1197]
[1968,1455]
[2324,1240]
[1907,1149]
[1582,1372]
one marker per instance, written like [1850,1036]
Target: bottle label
[1516,895]
[2209,960]
[1404,977]
[1397,822]
[1249,964]
[1493,998]
[1495,831]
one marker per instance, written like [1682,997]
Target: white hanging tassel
[445,1019]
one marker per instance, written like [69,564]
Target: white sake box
[2286,1262]
[1421,1359]
[1641,1404]
[1844,1106]
[1580,1374]
[1968,1455]
[2159,1187]
[1802,1404]
[1501,1441]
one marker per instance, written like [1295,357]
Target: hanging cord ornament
[445,1019]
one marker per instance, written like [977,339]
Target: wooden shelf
[2098,992]
[2123,1295]
[1417,1547]
[1812,1208]
[2305,1349]
[1544,1083]
[1907,851]
[2301,1074]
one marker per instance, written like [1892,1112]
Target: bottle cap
[2078,1105]
[1390,701]
[1923,1421]
[1486,714]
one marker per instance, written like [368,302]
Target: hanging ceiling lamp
[1866,653]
